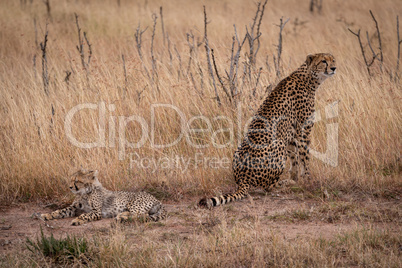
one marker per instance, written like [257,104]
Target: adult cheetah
[281,127]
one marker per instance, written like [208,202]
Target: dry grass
[240,245]
[36,154]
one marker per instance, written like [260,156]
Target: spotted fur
[280,128]
[93,202]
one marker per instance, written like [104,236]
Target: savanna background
[138,54]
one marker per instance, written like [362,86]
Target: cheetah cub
[93,202]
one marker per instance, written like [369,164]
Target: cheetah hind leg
[294,162]
[156,213]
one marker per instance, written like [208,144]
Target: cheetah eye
[324,61]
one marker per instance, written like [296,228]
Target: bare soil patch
[286,215]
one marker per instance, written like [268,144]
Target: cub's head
[84,181]
[321,65]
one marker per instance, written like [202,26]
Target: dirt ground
[284,214]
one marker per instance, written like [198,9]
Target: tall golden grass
[36,154]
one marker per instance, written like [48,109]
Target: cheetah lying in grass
[93,202]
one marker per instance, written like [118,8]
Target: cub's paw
[77,222]
[122,217]
[286,183]
[46,217]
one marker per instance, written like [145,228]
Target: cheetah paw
[77,222]
[46,217]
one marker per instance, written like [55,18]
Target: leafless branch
[371,48]
[191,45]
[36,33]
[180,70]
[89,48]
[47,4]
[259,27]
[80,46]
[379,40]
[125,75]
[234,63]
[162,24]
[399,45]
[45,75]
[368,64]
[254,37]
[207,49]
[219,78]
[317,4]
[154,71]
[34,65]
[67,78]
[279,47]
[169,51]
[138,40]
[258,79]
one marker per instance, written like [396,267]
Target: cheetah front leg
[303,149]
[94,215]
[61,213]
[87,217]
[294,160]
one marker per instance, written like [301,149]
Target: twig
[371,48]
[258,79]
[278,60]
[232,76]
[47,3]
[219,78]
[180,70]
[125,75]
[362,50]
[45,75]
[316,3]
[191,46]
[89,47]
[399,43]
[162,24]
[169,51]
[80,46]
[34,65]
[154,72]
[379,40]
[138,40]
[51,119]
[258,28]
[67,78]
[207,49]
[36,33]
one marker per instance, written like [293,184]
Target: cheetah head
[84,181]
[321,65]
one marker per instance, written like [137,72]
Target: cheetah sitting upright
[93,202]
[281,127]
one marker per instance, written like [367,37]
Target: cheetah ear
[309,59]
[92,175]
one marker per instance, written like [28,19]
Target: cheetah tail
[223,199]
